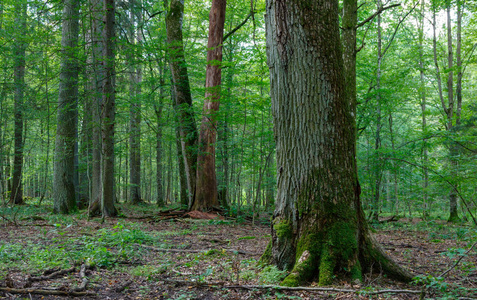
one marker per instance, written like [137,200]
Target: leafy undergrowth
[139,256]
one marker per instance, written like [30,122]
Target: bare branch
[376,13]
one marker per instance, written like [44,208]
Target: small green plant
[272,275]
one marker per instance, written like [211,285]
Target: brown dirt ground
[417,251]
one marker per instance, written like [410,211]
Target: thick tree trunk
[19,49]
[318,224]
[206,186]
[97,77]
[183,98]
[64,196]
[107,112]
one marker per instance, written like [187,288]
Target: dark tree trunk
[64,195]
[206,186]
[318,224]
[19,49]
[107,112]
[183,98]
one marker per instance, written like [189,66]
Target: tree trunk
[183,98]
[453,153]
[19,49]
[64,196]
[134,109]
[107,112]
[97,77]
[206,186]
[422,96]
[318,224]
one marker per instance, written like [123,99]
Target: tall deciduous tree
[318,224]
[135,76]
[19,49]
[108,111]
[96,79]
[63,184]
[206,186]
[181,92]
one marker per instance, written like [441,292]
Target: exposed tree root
[84,279]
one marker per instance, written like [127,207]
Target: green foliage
[271,275]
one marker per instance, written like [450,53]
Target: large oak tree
[318,224]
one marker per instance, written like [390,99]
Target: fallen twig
[458,261]
[194,251]
[425,288]
[45,292]
[52,275]
[287,288]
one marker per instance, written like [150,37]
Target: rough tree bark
[135,76]
[107,112]
[64,197]
[97,77]
[19,49]
[206,186]
[318,224]
[181,88]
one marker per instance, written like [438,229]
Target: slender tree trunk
[453,212]
[458,89]
[19,49]
[183,98]
[377,143]
[422,96]
[318,224]
[206,186]
[107,112]
[64,195]
[135,109]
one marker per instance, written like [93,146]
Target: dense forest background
[416,86]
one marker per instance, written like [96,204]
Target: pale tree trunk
[158,110]
[206,186]
[318,224]
[19,49]
[64,197]
[183,98]
[134,111]
[184,197]
[458,88]
[107,112]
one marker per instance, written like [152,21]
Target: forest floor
[144,255]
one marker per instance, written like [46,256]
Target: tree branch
[289,288]
[239,25]
[376,13]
